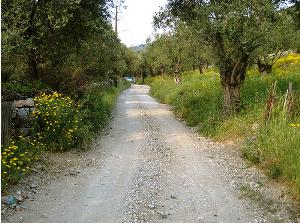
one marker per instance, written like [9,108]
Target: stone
[22,206]
[18,192]
[29,102]
[200,219]
[19,198]
[254,185]
[11,200]
[4,199]
[173,196]
[73,172]
[18,208]
[163,215]
[151,206]
[23,113]
[34,185]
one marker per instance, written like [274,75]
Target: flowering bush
[17,157]
[289,59]
[57,119]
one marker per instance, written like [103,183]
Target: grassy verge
[275,146]
[97,105]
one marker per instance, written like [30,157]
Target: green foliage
[133,62]
[197,99]
[57,121]
[180,48]
[25,89]
[65,47]
[17,158]
[232,28]
[98,103]
[274,146]
[60,124]
[277,145]
[236,32]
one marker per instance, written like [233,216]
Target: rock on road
[153,169]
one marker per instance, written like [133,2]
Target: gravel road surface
[153,169]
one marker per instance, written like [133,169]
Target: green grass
[97,104]
[198,99]
[275,146]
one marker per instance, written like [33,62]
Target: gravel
[149,167]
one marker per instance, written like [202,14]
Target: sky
[135,21]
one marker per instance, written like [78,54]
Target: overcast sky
[135,21]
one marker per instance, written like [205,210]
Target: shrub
[275,147]
[198,99]
[98,103]
[57,120]
[289,59]
[25,89]
[17,157]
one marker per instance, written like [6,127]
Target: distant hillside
[138,48]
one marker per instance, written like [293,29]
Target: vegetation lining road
[66,56]
[273,146]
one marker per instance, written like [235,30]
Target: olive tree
[281,38]
[234,29]
[48,32]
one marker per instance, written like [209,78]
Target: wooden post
[270,103]
[288,99]
[6,122]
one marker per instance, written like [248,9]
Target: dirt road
[153,169]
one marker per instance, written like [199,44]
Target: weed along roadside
[272,144]
[60,123]
[83,140]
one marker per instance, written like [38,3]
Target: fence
[6,121]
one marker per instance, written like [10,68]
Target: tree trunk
[143,75]
[264,68]
[115,81]
[232,79]
[177,67]
[177,72]
[200,68]
[162,70]
[32,65]
[194,67]
[152,73]
[200,65]
[232,99]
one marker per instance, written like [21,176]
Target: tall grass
[275,146]
[97,105]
